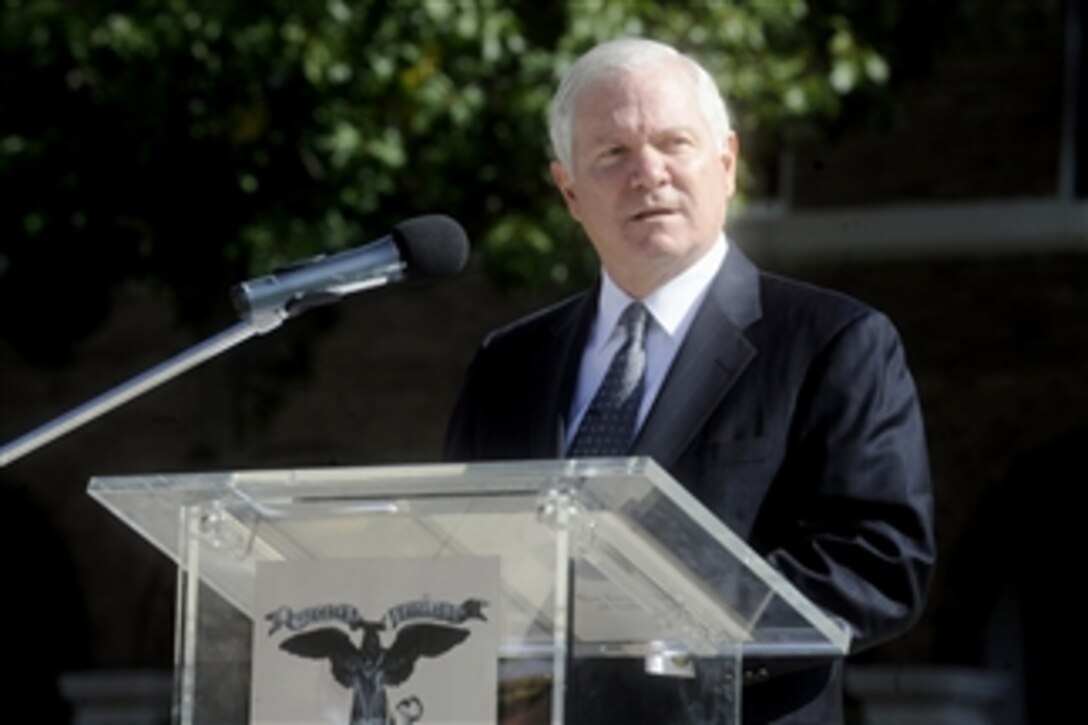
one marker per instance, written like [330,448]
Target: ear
[730,153]
[565,185]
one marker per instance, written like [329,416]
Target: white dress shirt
[672,308]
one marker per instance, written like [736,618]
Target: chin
[661,244]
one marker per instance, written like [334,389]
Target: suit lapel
[711,358]
[557,369]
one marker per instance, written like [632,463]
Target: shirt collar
[668,304]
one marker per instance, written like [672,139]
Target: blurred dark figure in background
[1015,582]
[42,610]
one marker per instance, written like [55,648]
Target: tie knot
[633,321]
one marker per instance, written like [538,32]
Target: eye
[678,143]
[610,155]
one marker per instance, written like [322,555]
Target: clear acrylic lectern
[357,595]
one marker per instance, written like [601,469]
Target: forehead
[644,100]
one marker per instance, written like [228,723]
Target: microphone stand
[240,332]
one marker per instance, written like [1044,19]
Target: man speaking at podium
[787,410]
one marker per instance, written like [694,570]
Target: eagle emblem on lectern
[367,668]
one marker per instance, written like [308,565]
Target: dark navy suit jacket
[789,411]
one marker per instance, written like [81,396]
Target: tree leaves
[236,137]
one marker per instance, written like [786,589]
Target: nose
[650,169]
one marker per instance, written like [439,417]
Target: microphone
[428,246]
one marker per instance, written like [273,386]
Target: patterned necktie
[608,427]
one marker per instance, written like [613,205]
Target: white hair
[627,55]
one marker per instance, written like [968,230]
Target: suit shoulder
[817,316]
[806,301]
[790,291]
[538,326]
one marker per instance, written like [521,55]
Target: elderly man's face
[650,185]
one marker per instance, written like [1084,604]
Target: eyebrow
[677,128]
[612,137]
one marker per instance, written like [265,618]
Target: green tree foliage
[196,141]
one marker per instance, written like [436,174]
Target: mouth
[651,214]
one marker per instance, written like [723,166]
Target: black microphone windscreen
[432,245]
